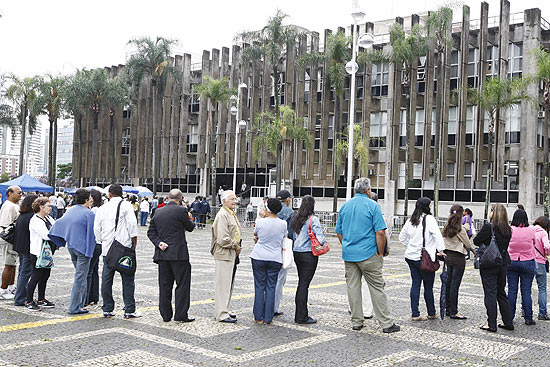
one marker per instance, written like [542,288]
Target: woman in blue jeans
[421,230]
[542,250]
[521,271]
[306,263]
[267,259]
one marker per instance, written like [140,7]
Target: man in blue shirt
[361,230]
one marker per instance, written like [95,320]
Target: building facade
[481,46]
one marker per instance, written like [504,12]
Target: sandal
[419,318]
[458,317]
[432,317]
[487,328]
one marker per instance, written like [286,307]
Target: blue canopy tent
[26,183]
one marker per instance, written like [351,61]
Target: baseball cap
[283,195]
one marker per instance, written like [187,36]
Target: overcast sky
[57,36]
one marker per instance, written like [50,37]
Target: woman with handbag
[521,271]
[542,249]
[493,277]
[302,224]
[39,228]
[22,246]
[422,237]
[457,244]
[267,259]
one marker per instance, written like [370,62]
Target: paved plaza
[53,338]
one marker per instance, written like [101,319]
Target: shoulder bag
[426,263]
[489,256]
[546,263]
[288,255]
[8,234]
[120,257]
[316,248]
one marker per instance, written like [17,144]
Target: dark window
[498,197]
[451,139]
[446,195]
[478,196]
[463,196]
[513,197]
[469,139]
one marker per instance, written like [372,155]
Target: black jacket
[169,225]
[484,238]
[22,241]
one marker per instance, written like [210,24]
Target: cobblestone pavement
[52,338]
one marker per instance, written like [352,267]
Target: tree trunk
[154,161]
[489,165]
[94,149]
[23,137]
[278,185]
[335,158]
[54,154]
[80,178]
[437,125]
[279,167]
[407,155]
[51,176]
[113,149]
[546,159]
[212,155]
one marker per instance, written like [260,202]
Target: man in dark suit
[167,232]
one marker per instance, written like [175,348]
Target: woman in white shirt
[411,237]
[39,228]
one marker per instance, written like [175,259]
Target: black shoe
[458,317]
[166,320]
[232,315]
[530,322]
[392,329]
[189,319]
[368,317]
[506,327]
[278,313]
[46,304]
[487,328]
[32,306]
[357,328]
[229,320]
[541,317]
[310,320]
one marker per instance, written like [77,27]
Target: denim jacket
[302,242]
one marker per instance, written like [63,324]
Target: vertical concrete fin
[462,95]
[480,150]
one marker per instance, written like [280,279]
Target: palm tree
[150,61]
[100,91]
[217,91]
[49,102]
[543,76]
[273,131]
[438,25]
[7,113]
[75,103]
[22,93]
[406,50]
[338,52]
[360,152]
[270,45]
[498,94]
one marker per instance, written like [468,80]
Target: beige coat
[223,236]
[458,243]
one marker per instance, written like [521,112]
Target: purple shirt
[468,219]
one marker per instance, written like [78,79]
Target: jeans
[80,286]
[38,277]
[25,271]
[265,281]
[419,277]
[92,281]
[540,274]
[306,264]
[128,288]
[493,280]
[281,280]
[524,272]
[454,278]
[143,218]
[54,212]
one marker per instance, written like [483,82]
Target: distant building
[10,144]
[64,154]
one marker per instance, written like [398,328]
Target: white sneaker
[6,294]
[12,288]
[134,315]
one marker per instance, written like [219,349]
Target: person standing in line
[361,229]
[243,189]
[53,205]
[161,202]
[39,228]
[195,211]
[493,278]
[522,267]
[267,259]
[126,234]
[135,205]
[8,215]
[22,247]
[76,230]
[167,233]
[421,230]
[542,250]
[468,225]
[456,243]
[226,246]
[286,214]
[220,192]
[204,211]
[92,279]
[154,205]
[260,211]
[250,212]
[60,206]
[144,208]
[306,263]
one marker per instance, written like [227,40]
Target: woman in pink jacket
[542,249]
[522,254]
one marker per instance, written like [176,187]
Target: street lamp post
[238,124]
[366,41]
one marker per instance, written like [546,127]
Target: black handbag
[546,263]
[8,234]
[120,257]
[488,256]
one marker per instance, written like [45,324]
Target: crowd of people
[95,228]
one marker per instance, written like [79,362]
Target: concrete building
[64,155]
[10,144]
[482,46]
